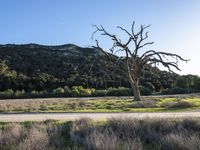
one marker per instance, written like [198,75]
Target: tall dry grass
[36,136]
[114,134]
[156,134]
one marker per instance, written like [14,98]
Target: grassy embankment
[147,134]
[150,104]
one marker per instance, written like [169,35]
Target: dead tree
[133,62]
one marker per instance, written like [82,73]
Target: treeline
[184,84]
[75,91]
[41,70]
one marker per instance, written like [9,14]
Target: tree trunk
[136,91]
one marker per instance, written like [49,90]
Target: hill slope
[38,67]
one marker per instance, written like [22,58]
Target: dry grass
[104,104]
[180,141]
[114,134]
[63,105]
[177,105]
[16,137]
[164,134]
[144,104]
[36,136]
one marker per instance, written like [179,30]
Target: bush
[99,93]
[145,90]
[67,90]
[75,91]
[44,92]
[59,91]
[120,91]
[85,92]
[34,92]
[19,93]
[8,93]
[175,90]
[80,91]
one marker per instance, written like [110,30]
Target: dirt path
[73,116]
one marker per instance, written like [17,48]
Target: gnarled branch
[132,61]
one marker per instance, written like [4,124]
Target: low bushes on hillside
[75,91]
[120,91]
[178,90]
[7,93]
[145,90]
[99,93]
[59,91]
[80,91]
[175,90]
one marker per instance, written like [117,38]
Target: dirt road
[74,116]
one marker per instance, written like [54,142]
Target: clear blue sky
[175,23]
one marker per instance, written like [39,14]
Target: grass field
[112,104]
[118,134]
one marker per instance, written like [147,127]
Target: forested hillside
[34,67]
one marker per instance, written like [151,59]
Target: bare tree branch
[131,61]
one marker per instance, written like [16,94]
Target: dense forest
[36,68]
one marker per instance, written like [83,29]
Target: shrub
[67,91]
[175,90]
[85,92]
[145,90]
[120,91]
[59,90]
[19,93]
[34,92]
[43,92]
[75,91]
[80,91]
[7,93]
[99,93]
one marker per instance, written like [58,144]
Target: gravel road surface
[96,116]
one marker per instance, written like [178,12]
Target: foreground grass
[149,104]
[113,134]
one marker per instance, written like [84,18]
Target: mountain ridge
[44,67]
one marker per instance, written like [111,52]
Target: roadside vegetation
[80,91]
[118,133]
[75,91]
[108,104]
